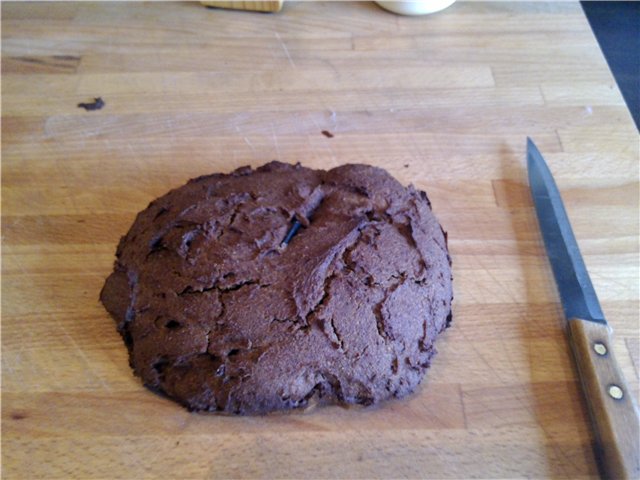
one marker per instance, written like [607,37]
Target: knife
[612,408]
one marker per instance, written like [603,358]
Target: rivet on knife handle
[613,413]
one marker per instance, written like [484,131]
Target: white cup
[418,7]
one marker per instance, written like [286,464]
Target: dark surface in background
[617,27]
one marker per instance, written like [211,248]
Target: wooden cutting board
[444,101]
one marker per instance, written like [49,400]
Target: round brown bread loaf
[221,314]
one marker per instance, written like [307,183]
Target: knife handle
[613,410]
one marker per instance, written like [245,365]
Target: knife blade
[612,408]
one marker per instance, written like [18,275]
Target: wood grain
[444,101]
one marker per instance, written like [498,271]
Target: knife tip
[533,154]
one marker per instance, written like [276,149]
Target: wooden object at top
[270,6]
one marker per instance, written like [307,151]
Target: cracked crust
[220,315]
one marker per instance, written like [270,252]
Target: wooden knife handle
[613,410]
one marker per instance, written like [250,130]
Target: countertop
[444,102]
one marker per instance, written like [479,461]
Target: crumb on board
[97,104]
[327,133]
